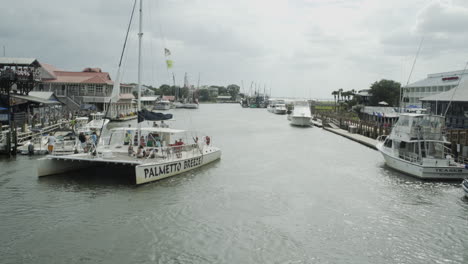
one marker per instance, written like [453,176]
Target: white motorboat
[465,187]
[300,115]
[162,105]
[277,108]
[186,105]
[280,109]
[97,122]
[158,158]
[191,106]
[153,153]
[416,146]
[65,143]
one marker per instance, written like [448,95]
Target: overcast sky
[301,48]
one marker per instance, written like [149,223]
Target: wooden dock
[369,142]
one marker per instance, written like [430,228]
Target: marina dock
[369,142]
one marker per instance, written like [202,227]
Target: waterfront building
[148,102]
[435,83]
[456,100]
[379,114]
[363,96]
[89,89]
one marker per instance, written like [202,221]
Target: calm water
[280,194]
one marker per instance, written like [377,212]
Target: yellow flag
[169,63]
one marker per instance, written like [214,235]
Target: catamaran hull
[425,172]
[52,166]
[144,173]
[300,120]
[152,172]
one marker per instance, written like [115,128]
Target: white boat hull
[280,111]
[162,107]
[152,172]
[299,120]
[424,172]
[144,172]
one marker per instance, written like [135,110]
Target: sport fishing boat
[300,115]
[153,153]
[417,146]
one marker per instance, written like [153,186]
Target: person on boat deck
[82,139]
[151,141]
[141,152]
[127,139]
[135,140]
[164,125]
[94,138]
[50,143]
[130,150]
[142,141]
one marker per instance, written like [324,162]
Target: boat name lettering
[162,170]
[193,162]
[449,170]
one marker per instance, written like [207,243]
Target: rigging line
[128,30]
[415,58]
[120,63]
[151,44]
[412,67]
[455,89]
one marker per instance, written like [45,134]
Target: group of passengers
[149,145]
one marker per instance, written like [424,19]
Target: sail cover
[151,116]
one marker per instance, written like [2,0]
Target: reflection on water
[278,194]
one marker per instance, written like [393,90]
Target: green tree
[385,90]
[204,95]
[233,90]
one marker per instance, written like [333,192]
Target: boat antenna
[455,89]
[412,68]
[117,86]
[140,36]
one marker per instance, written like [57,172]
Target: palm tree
[335,93]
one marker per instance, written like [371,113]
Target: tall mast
[140,35]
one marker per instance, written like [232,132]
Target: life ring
[207,140]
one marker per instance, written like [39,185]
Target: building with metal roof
[453,104]
[435,83]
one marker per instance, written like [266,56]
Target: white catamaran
[416,146]
[154,153]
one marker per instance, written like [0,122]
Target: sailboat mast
[140,35]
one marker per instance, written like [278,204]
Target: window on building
[98,89]
[82,89]
[91,88]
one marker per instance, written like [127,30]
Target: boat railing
[172,152]
[64,145]
[409,156]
